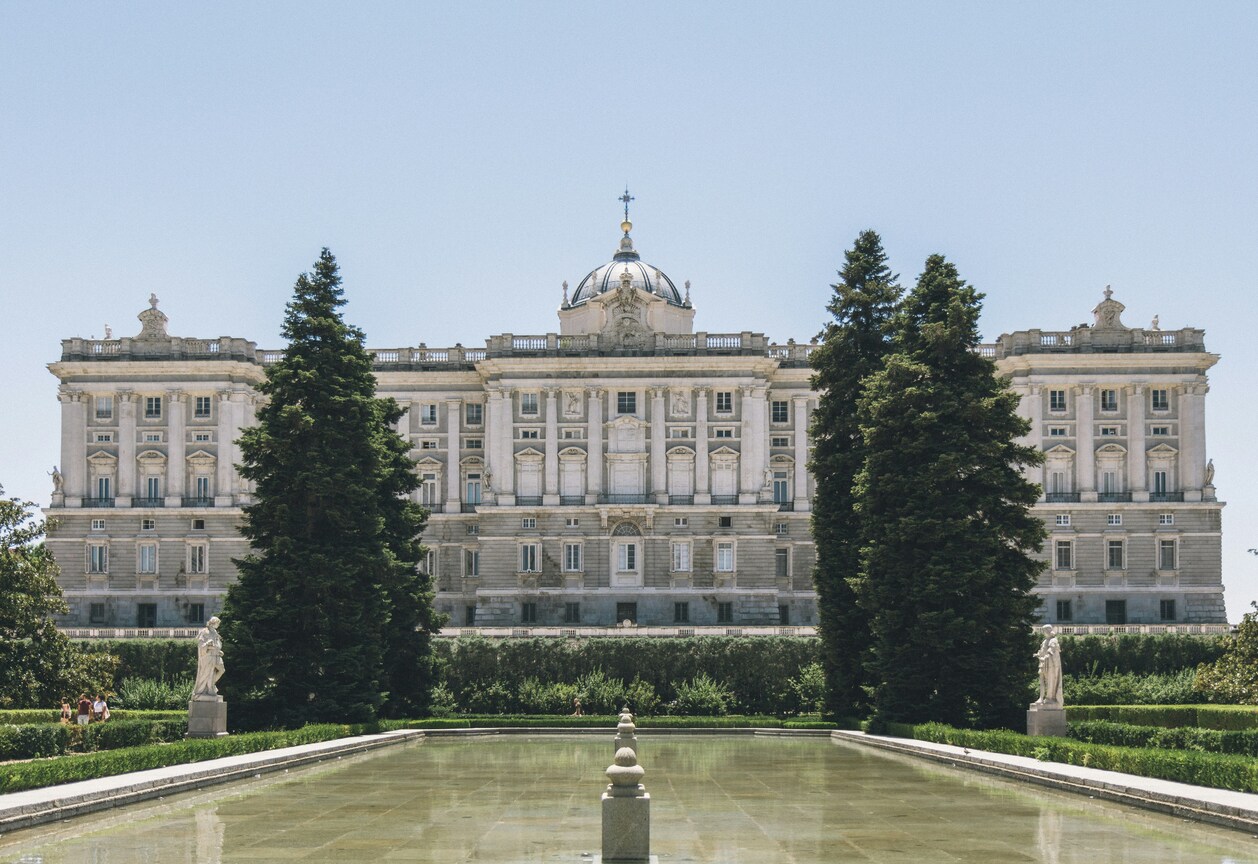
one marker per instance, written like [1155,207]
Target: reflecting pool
[713,799]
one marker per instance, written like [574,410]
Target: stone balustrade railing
[1085,340]
[169,348]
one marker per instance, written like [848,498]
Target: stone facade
[624,468]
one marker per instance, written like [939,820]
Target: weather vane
[626,198]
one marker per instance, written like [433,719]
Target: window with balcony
[781,487]
[473,489]
[779,412]
[1159,483]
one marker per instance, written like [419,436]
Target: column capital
[126,396]
[225,395]
[658,392]
[453,400]
[1137,389]
[1035,389]
[702,392]
[595,392]
[66,395]
[552,393]
[176,395]
[1086,389]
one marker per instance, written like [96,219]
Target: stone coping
[1223,807]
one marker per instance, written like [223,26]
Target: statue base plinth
[1046,720]
[627,828]
[207,718]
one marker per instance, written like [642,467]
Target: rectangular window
[528,403]
[1166,554]
[201,407]
[779,412]
[573,434]
[197,558]
[98,524]
[723,433]
[571,522]
[472,495]
[528,558]
[469,616]
[782,563]
[1109,431]
[428,414]
[681,613]
[146,558]
[202,436]
[428,444]
[572,557]
[152,487]
[97,558]
[1114,519]
[725,521]
[146,614]
[471,562]
[475,444]
[626,402]
[1114,554]
[1063,520]
[572,613]
[104,437]
[784,615]
[529,434]
[194,613]
[528,613]
[725,402]
[681,521]
[1161,400]
[103,488]
[1159,483]
[1057,431]
[1115,611]
[104,407]
[1109,482]
[152,407]
[779,441]
[725,557]
[1064,612]
[627,612]
[1056,400]
[96,613]
[681,557]
[781,488]
[528,522]
[679,433]
[626,557]
[202,486]
[725,613]
[1109,400]
[1166,610]
[152,437]
[1065,556]
[474,413]
[473,528]
[1166,518]
[1160,431]
[198,524]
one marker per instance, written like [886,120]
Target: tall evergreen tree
[853,347]
[946,572]
[330,617]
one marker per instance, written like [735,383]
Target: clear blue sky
[462,160]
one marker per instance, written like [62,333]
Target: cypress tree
[853,347]
[946,572]
[322,622]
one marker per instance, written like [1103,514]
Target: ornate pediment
[201,457]
[1162,450]
[1061,451]
[1111,450]
[530,454]
[681,452]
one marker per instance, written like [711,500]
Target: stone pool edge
[1222,807]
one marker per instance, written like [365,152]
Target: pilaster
[225,470]
[802,501]
[1136,461]
[454,444]
[73,445]
[126,448]
[1033,410]
[1085,459]
[1192,438]
[550,478]
[752,446]
[594,445]
[176,447]
[659,465]
[703,485]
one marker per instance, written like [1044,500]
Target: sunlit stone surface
[715,799]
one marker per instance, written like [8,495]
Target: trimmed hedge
[53,715]
[1137,654]
[32,741]
[160,659]
[1222,717]
[1217,770]
[595,721]
[1244,743]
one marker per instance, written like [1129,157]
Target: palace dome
[642,276]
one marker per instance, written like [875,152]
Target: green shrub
[21,716]
[600,694]
[1223,717]
[701,695]
[153,694]
[1244,743]
[32,741]
[807,690]
[1176,688]
[1233,676]
[1137,654]
[160,659]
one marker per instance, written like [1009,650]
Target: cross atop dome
[626,226]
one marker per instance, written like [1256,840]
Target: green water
[713,799]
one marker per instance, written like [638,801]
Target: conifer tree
[946,573]
[853,347]
[330,617]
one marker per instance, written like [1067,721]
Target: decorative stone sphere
[625,770]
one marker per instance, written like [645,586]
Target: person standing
[100,708]
[65,711]
[85,710]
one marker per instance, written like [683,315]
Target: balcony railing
[98,502]
[785,506]
[528,500]
[1061,497]
[198,501]
[467,508]
[1166,496]
[1113,497]
[434,508]
[724,499]
[571,500]
[622,499]
[681,499]
[148,502]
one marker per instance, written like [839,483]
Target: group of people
[89,710]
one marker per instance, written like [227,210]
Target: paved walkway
[1216,806]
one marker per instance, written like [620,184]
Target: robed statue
[1049,656]
[209,661]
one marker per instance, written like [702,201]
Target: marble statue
[57,479]
[1155,325]
[1049,656]
[209,661]
[1209,473]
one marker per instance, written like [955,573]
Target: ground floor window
[146,614]
[195,613]
[724,613]
[681,613]
[1166,609]
[1064,612]
[469,616]
[528,613]
[96,613]
[572,613]
[784,614]
[627,612]
[1115,611]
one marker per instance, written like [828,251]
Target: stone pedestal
[626,828]
[1047,720]
[207,718]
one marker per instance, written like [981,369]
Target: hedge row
[1137,654]
[159,659]
[17,776]
[1244,743]
[37,740]
[53,715]
[1217,770]
[594,721]
[1223,717]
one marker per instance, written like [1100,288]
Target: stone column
[1136,465]
[403,425]
[703,486]
[504,460]
[659,442]
[126,448]
[1192,440]
[494,431]
[454,444]
[1032,409]
[1085,458]
[225,470]
[177,447]
[73,446]
[550,479]
[802,501]
[594,446]
[752,446]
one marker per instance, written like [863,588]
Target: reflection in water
[714,799]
